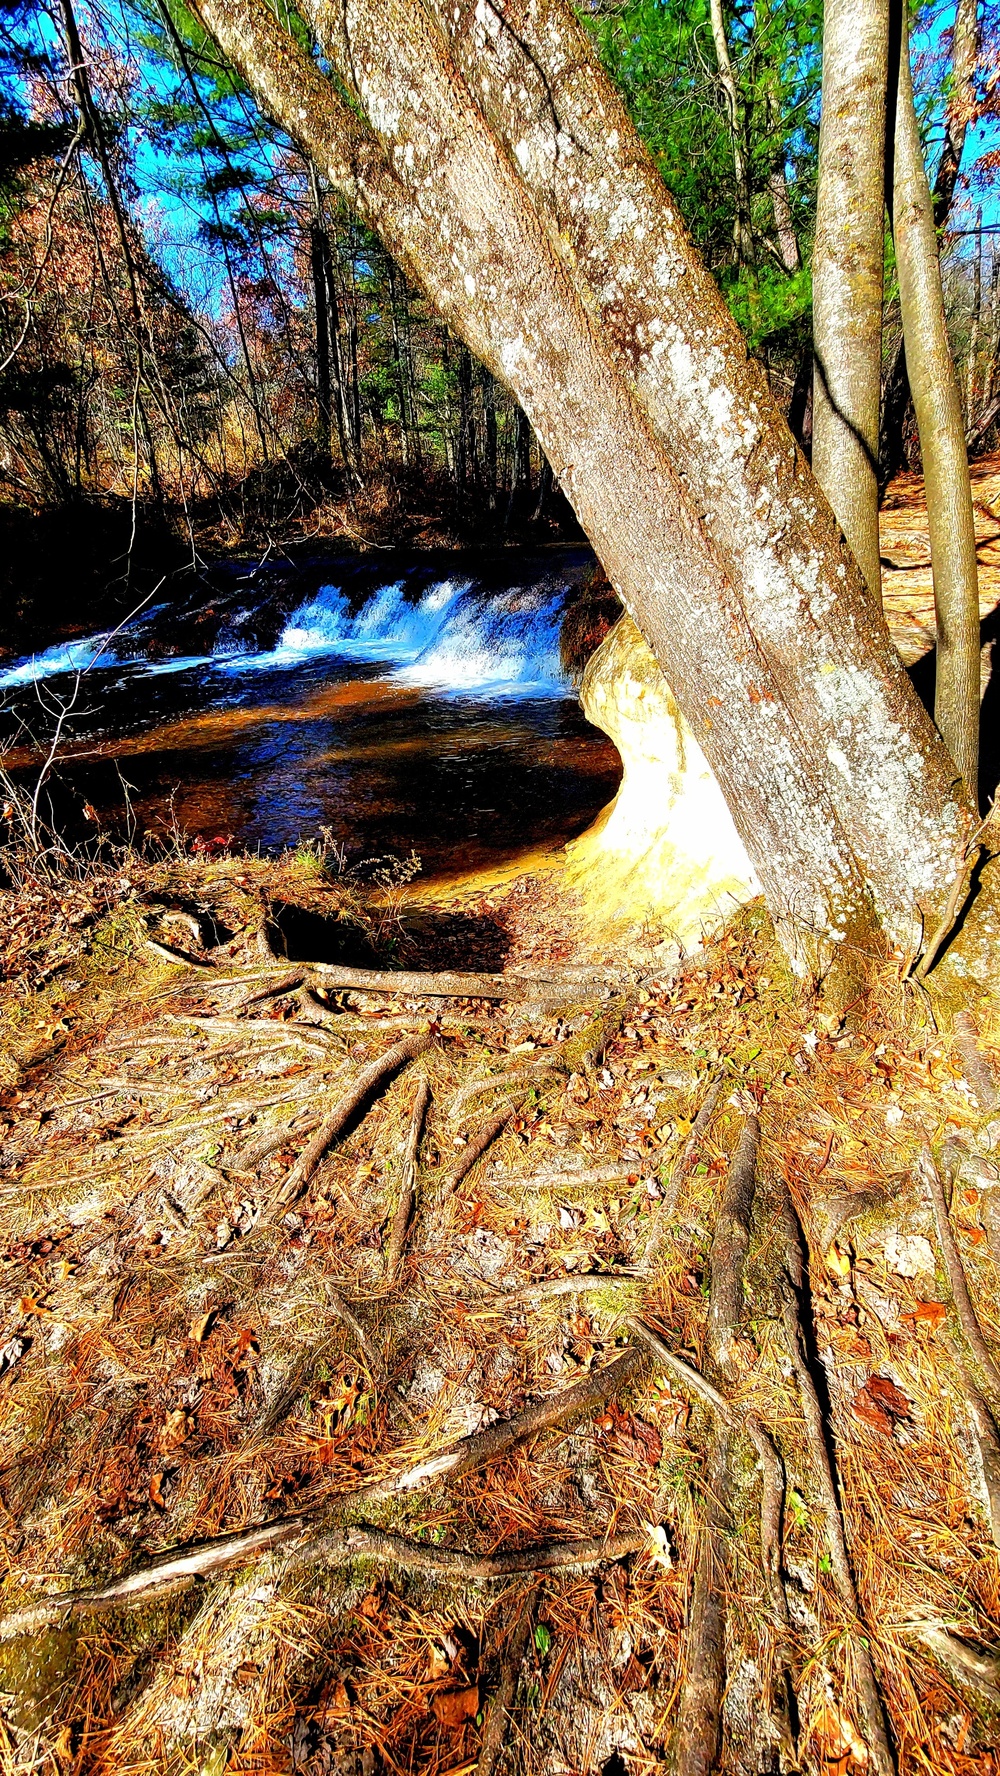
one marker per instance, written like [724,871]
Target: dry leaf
[839,1262]
[454,1707]
[201,1327]
[932,1313]
[659,1546]
[156,1492]
[889,1395]
[864,1407]
[175,1428]
[30,1304]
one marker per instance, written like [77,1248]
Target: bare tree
[938,406]
[847,271]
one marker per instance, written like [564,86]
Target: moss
[34,1669]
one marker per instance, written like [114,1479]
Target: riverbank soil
[662,1418]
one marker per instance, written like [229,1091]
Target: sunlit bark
[938,406]
[847,271]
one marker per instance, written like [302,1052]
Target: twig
[496,1439]
[365,1083]
[667,1207]
[730,1245]
[978,1071]
[486,1133]
[955,1271]
[496,1725]
[404,1206]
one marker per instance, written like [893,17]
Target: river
[404,704]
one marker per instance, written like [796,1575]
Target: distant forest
[188,311]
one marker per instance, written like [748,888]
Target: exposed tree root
[978,1071]
[486,1445]
[182,1567]
[496,1724]
[336,978]
[955,1271]
[699,1711]
[730,1245]
[364,1084]
[875,1723]
[408,1172]
[523,1075]
[971,1670]
[479,1140]
[667,1207]
[173,953]
[253,1154]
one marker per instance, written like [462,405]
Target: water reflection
[430,717]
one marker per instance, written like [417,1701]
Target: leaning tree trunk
[539,226]
[847,271]
[938,406]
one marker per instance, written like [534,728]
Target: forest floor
[660,1413]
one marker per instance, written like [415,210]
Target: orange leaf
[934,1313]
[201,1327]
[889,1395]
[156,1492]
[30,1304]
[453,1707]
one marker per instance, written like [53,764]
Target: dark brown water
[401,708]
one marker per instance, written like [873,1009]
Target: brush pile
[517,1358]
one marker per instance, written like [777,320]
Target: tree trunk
[959,113]
[318,255]
[566,268]
[847,271]
[942,440]
[742,239]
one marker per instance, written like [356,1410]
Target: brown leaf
[201,1327]
[453,1707]
[932,1313]
[175,1428]
[156,1492]
[864,1407]
[889,1396]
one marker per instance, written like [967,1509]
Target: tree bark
[847,271]
[560,258]
[938,406]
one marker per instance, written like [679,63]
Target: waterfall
[454,638]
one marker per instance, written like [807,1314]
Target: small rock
[909,1255]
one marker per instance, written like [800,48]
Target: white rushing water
[454,640]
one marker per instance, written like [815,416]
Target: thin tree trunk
[942,440]
[742,239]
[847,271]
[959,113]
[681,470]
[977,321]
[489,437]
[318,253]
